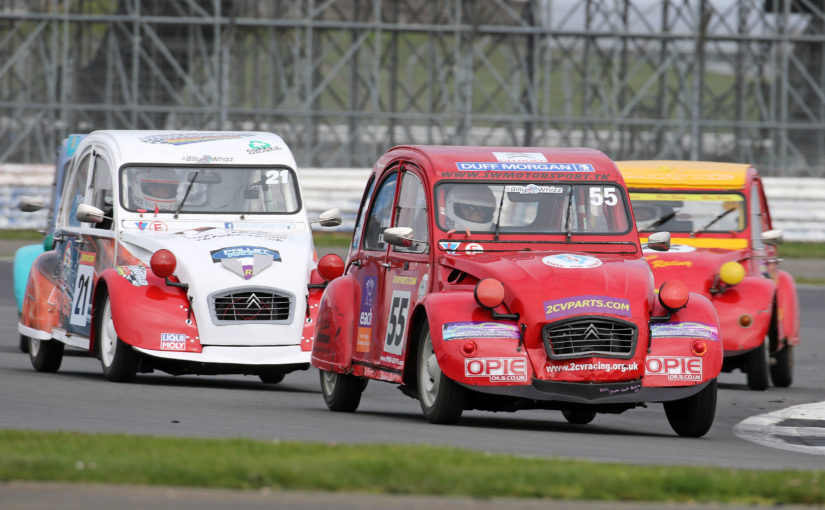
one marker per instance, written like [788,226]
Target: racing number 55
[396,322]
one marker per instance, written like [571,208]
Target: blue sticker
[239,252]
[535,167]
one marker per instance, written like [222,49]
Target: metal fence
[343,80]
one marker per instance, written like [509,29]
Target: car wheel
[441,399]
[578,416]
[756,367]
[782,367]
[342,392]
[45,355]
[272,377]
[118,359]
[24,343]
[693,416]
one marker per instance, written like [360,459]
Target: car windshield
[209,190]
[532,208]
[688,212]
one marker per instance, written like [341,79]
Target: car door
[367,264]
[406,269]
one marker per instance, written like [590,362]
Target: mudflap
[336,325]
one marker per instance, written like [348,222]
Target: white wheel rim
[328,381]
[429,374]
[108,336]
[34,346]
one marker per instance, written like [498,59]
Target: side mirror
[88,214]
[330,218]
[399,236]
[659,241]
[773,237]
[31,204]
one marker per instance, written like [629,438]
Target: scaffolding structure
[343,80]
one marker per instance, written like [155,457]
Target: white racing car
[187,252]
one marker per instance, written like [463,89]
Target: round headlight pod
[673,294]
[331,266]
[489,293]
[163,263]
[731,272]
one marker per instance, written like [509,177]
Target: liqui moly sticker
[675,368]
[571,261]
[173,341]
[497,369]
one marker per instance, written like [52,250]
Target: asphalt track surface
[77,398]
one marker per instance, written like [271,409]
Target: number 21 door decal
[82,295]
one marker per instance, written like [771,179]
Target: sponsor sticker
[565,307]
[258,147]
[571,261]
[676,368]
[246,261]
[173,341]
[136,275]
[473,249]
[157,226]
[362,343]
[449,246]
[684,330]
[575,366]
[404,280]
[422,287]
[533,189]
[207,159]
[187,138]
[520,157]
[523,166]
[459,330]
[497,369]
[237,252]
[659,263]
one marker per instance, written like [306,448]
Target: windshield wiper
[185,195]
[714,220]
[567,218]
[660,221]
[498,218]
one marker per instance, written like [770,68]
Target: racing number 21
[81,300]
[399,309]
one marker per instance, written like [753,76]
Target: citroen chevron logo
[253,302]
[591,333]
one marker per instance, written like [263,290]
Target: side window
[74,194]
[102,191]
[756,218]
[412,212]
[380,215]
[362,213]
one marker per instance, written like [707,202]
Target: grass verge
[381,469]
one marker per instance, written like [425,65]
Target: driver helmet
[470,207]
[156,188]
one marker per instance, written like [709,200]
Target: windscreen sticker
[533,189]
[676,368]
[691,197]
[520,157]
[187,138]
[207,159]
[497,369]
[528,167]
[136,275]
[459,330]
[565,307]
[684,330]
[571,261]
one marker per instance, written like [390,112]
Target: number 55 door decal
[396,322]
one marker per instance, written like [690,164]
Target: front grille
[251,305]
[589,336]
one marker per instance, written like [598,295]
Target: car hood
[218,261]
[534,280]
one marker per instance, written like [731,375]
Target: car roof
[193,147]
[684,174]
[447,159]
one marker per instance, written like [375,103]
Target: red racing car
[507,278]
[724,247]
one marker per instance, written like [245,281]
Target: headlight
[731,272]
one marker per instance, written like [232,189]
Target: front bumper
[626,392]
[244,355]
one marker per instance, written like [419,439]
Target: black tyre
[342,392]
[756,367]
[45,355]
[441,399]
[24,343]
[693,416]
[782,367]
[118,360]
[273,377]
[578,416]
